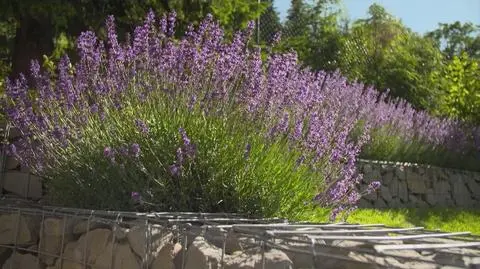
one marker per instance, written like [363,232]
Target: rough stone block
[430,197]
[22,261]
[385,193]
[400,172]
[388,178]
[166,257]
[139,236]
[473,186]
[55,232]
[461,194]
[19,229]
[380,203]
[90,247]
[363,203]
[442,187]
[394,188]
[417,201]
[395,203]
[403,190]
[11,163]
[416,184]
[23,184]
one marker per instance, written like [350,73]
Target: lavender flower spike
[135,149]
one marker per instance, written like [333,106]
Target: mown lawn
[444,219]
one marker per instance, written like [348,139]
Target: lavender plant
[201,123]
[193,124]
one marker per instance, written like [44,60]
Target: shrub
[197,124]
[206,124]
[401,133]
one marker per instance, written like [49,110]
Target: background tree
[270,23]
[456,38]
[297,19]
[234,14]
[381,51]
[461,97]
[312,30]
[43,26]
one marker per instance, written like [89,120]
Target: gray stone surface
[385,193]
[442,187]
[101,250]
[410,185]
[19,229]
[380,203]
[403,190]
[23,184]
[55,232]
[22,261]
[11,163]
[461,194]
[430,197]
[415,183]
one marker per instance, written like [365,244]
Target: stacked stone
[16,180]
[420,186]
[55,242]
[68,243]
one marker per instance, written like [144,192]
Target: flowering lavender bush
[400,133]
[200,124]
[191,124]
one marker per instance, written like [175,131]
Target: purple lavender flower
[299,161]
[123,151]
[192,101]
[135,150]
[109,153]
[12,150]
[335,212]
[94,108]
[189,148]
[186,140]
[373,186]
[141,126]
[136,197]
[175,170]
[276,38]
[248,148]
[353,198]
[172,16]
[180,153]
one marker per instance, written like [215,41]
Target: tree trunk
[34,38]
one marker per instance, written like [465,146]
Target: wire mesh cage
[49,237]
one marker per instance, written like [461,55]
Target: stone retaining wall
[42,239]
[411,185]
[70,243]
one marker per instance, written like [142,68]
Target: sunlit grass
[444,219]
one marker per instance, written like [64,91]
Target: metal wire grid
[320,245]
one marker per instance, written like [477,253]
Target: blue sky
[419,15]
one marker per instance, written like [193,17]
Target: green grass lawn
[444,219]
